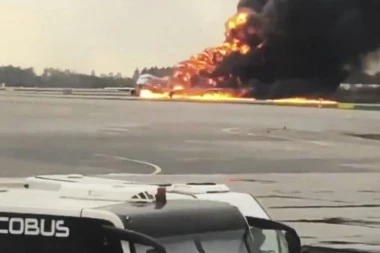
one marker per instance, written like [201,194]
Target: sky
[108,36]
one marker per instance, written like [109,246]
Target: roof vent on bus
[198,188]
[105,193]
[144,196]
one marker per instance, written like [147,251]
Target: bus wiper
[246,237]
[291,236]
[199,246]
[133,236]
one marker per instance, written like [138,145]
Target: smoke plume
[304,47]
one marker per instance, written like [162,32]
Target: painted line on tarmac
[231,130]
[10,179]
[127,97]
[115,129]
[359,166]
[157,169]
[318,143]
[8,182]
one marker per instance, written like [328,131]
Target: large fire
[211,57]
[181,83]
[187,81]
[191,95]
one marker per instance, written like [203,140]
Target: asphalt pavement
[315,168]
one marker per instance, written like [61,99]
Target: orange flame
[207,61]
[205,96]
[298,100]
[237,30]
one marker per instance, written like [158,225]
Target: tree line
[54,77]
[58,78]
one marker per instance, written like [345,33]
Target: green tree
[136,74]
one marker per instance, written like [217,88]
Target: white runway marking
[190,159]
[116,129]
[293,148]
[360,166]
[231,130]
[318,143]
[10,179]
[11,182]
[157,169]
[199,142]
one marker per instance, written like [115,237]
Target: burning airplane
[278,49]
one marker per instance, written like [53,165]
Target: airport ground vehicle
[73,213]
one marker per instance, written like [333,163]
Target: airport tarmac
[317,169]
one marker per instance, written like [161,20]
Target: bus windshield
[234,241]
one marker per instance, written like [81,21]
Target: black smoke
[309,46]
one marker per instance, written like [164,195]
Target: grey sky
[108,36]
